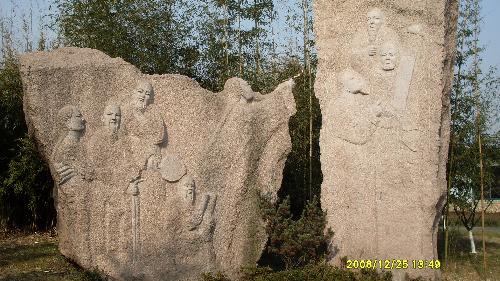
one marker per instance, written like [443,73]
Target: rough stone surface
[384,78]
[157,178]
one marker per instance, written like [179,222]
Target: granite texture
[384,80]
[156,177]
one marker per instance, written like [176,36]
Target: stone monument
[156,178]
[384,79]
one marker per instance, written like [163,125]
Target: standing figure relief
[68,151]
[144,127]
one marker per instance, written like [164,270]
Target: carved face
[143,95]
[112,117]
[388,56]
[188,190]
[353,82]
[76,122]
[375,19]
[189,197]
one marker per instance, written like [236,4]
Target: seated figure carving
[198,225]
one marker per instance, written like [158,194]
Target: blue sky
[490,33]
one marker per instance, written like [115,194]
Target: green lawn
[35,257]
[464,266]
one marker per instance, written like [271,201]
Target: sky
[490,32]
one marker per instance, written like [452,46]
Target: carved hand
[133,187]
[153,162]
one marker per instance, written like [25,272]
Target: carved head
[143,95]
[71,118]
[239,89]
[187,189]
[112,118]
[388,56]
[352,82]
[375,19]
[247,95]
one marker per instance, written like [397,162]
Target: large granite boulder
[157,178]
[384,80]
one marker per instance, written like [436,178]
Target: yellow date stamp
[393,264]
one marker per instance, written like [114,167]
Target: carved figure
[144,127]
[198,228]
[65,153]
[388,56]
[358,110]
[112,118]
[375,20]
[71,196]
[110,219]
[187,190]
[367,41]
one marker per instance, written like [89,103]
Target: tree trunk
[472,244]
[240,55]
[226,40]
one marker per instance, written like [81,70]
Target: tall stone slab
[384,82]
[157,178]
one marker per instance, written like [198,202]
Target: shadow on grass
[41,261]
[50,276]
[10,254]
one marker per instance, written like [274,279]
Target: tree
[152,35]
[25,181]
[471,138]
[297,242]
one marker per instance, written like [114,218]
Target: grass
[35,257]
[464,266]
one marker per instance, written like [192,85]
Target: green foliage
[296,242]
[12,124]
[25,182]
[315,272]
[473,113]
[297,183]
[219,276]
[25,192]
[152,35]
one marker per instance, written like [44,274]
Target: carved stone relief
[381,161]
[131,202]
[172,167]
